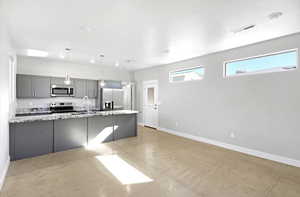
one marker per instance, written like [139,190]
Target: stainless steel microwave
[62,91]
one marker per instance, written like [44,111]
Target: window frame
[258,56]
[182,69]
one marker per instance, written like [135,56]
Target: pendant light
[67,79]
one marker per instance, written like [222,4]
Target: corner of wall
[4,172]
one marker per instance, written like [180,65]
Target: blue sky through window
[266,63]
[187,74]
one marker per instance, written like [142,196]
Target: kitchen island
[42,134]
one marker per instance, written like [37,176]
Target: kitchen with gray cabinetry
[61,125]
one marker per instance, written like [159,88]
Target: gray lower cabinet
[70,133]
[41,86]
[125,126]
[42,137]
[31,139]
[24,86]
[80,88]
[100,129]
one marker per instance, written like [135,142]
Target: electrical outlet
[232,134]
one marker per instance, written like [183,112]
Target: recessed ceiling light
[275,15]
[129,61]
[62,55]
[117,64]
[36,53]
[68,50]
[87,28]
[92,61]
[166,51]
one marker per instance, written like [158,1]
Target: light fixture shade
[117,64]
[102,83]
[36,53]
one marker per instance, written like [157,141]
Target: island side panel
[125,125]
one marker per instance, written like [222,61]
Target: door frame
[143,99]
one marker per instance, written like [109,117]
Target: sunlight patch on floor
[123,171]
[100,138]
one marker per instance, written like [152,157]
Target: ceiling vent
[245,28]
[275,15]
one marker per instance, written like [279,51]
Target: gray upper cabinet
[80,88]
[60,81]
[91,88]
[29,86]
[33,86]
[24,87]
[57,81]
[41,87]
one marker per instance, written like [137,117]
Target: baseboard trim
[140,124]
[3,175]
[248,151]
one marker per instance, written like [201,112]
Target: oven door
[60,91]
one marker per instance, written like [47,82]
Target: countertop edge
[52,117]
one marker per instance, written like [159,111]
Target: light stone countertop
[58,116]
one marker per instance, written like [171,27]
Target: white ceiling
[150,32]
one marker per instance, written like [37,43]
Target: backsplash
[44,103]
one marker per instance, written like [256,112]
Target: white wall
[262,110]
[57,68]
[5,97]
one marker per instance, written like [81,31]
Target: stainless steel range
[61,107]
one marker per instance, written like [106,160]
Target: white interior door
[150,103]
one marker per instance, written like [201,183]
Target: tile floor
[178,167]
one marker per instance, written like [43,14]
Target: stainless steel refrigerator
[115,95]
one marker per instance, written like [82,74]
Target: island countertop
[59,116]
